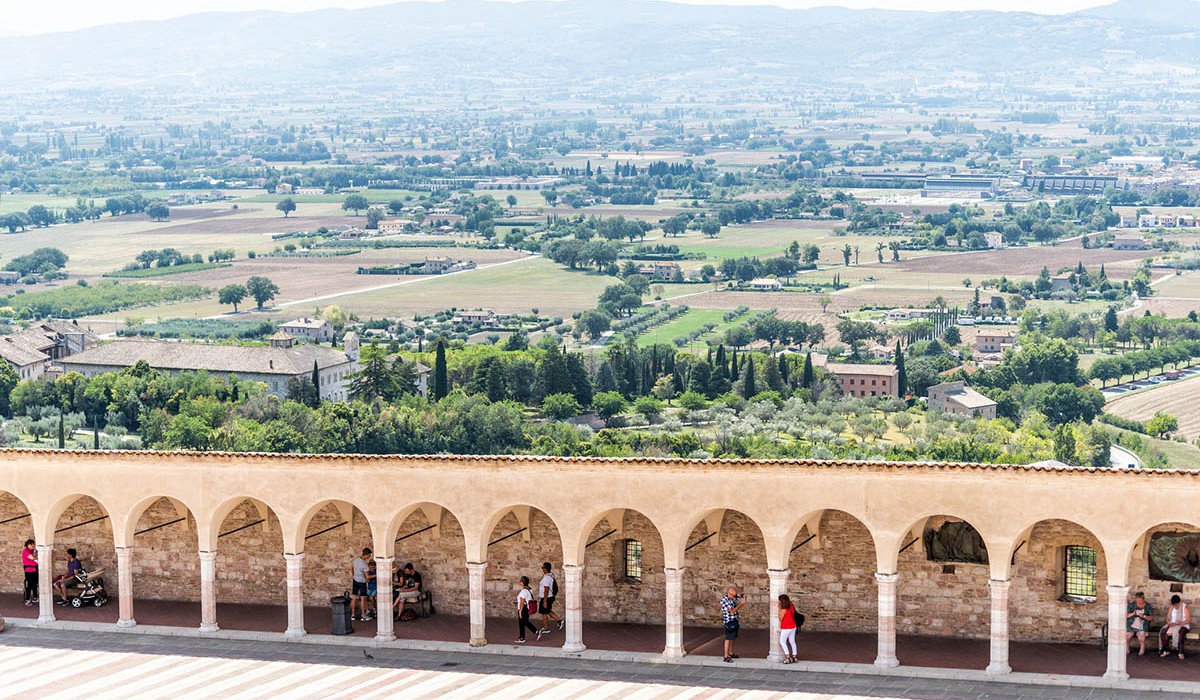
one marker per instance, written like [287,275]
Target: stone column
[999,663]
[573,611]
[208,592]
[125,587]
[384,627]
[674,594]
[45,591]
[295,594]
[475,594]
[1118,603]
[778,587]
[886,657]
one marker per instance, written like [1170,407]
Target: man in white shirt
[547,592]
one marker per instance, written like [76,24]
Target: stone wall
[736,557]
[941,598]
[93,542]
[439,556]
[1036,609]
[607,594]
[832,577]
[12,536]
[250,564]
[520,556]
[165,561]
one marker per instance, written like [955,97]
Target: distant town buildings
[318,330]
[957,398]
[30,351]
[866,380]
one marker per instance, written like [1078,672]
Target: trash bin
[340,604]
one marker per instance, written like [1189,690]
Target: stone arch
[210,528]
[83,523]
[248,538]
[163,537]
[1038,610]
[517,540]
[943,589]
[68,504]
[431,537]
[609,594]
[1140,573]
[331,534]
[724,548]
[832,560]
[16,526]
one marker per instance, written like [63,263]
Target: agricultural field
[1177,398]
[1028,261]
[691,321]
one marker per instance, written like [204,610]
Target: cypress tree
[316,378]
[749,385]
[771,374]
[62,435]
[785,370]
[806,375]
[441,378]
[901,375]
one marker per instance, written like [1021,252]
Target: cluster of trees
[73,301]
[1136,362]
[40,262]
[261,289]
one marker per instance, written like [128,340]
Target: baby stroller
[90,589]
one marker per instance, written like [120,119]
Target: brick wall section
[931,601]
[165,561]
[607,595]
[329,554]
[93,542]
[250,565]
[832,577]
[738,559]
[1036,612]
[516,557]
[12,537]
[1158,593]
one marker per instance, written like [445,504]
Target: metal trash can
[340,605]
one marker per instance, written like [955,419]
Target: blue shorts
[359,589]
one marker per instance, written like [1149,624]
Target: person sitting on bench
[62,583]
[408,588]
[1174,632]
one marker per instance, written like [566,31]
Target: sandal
[728,659]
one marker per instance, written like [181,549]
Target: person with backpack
[790,620]
[547,592]
[525,607]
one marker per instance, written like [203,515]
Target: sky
[40,16]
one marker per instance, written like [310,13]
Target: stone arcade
[641,541]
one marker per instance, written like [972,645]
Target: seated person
[62,583]
[1138,616]
[408,586]
[1175,629]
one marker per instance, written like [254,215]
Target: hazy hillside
[563,42]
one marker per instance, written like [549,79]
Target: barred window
[633,560]
[1079,573]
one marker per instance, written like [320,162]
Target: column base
[674,653]
[775,657]
[882,662]
[126,623]
[1116,675]
[210,628]
[384,638]
[291,633]
[478,642]
[45,619]
[575,648]
[998,669]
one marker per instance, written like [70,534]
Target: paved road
[64,664]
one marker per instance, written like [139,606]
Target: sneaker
[353,618]
[29,603]
[544,630]
[518,641]
[34,600]
[63,602]
[561,624]
[368,617]
[539,635]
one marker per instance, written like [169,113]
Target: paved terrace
[56,664]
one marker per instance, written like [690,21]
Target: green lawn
[682,325]
[163,271]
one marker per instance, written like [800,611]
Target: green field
[682,325]
[164,271]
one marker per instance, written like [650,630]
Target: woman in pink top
[30,565]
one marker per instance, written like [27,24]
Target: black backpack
[553,586]
[799,617]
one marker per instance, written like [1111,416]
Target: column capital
[996,583]
[208,556]
[385,560]
[572,568]
[297,556]
[476,565]
[779,573]
[124,550]
[1118,590]
[45,548]
[886,578]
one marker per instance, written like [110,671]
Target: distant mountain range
[603,42]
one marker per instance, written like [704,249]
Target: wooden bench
[422,603]
[1193,636]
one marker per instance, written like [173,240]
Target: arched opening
[520,541]
[832,582]
[943,602]
[16,526]
[250,570]
[165,565]
[726,548]
[334,535]
[85,526]
[1165,562]
[624,588]
[431,539]
[1058,596]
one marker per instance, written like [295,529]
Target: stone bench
[1193,635]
